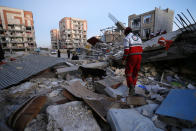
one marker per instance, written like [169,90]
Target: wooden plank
[101,107]
[79,91]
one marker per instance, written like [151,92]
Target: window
[28,28]
[135,22]
[147,19]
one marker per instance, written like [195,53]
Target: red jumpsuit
[132,55]
[167,43]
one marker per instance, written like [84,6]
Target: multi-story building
[55,38]
[152,22]
[72,32]
[16,29]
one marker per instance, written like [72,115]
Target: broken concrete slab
[136,100]
[19,119]
[179,104]
[37,124]
[100,65]
[129,120]
[67,71]
[158,123]
[73,116]
[108,81]
[122,91]
[147,110]
[101,107]
[77,89]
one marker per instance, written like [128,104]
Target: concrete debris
[38,124]
[79,100]
[67,72]
[190,86]
[54,93]
[154,88]
[76,88]
[158,123]
[21,117]
[136,100]
[101,107]
[147,110]
[157,97]
[71,116]
[129,120]
[23,87]
[108,81]
[120,91]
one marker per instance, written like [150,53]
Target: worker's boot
[131,90]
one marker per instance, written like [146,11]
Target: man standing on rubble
[132,58]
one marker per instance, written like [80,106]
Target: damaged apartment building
[55,38]
[152,22]
[16,29]
[72,32]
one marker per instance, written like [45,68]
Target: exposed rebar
[191,15]
[188,20]
[184,22]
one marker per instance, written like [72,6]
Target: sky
[48,13]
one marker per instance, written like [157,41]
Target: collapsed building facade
[112,35]
[152,22]
[55,38]
[16,29]
[73,32]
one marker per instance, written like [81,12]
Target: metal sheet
[19,119]
[179,104]
[29,65]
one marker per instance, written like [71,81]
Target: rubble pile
[74,103]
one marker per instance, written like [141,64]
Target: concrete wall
[163,20]
[160,19]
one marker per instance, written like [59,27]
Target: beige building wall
[16,29]
[152,22]
[73,32]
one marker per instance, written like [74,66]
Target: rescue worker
[163,42]
[132,58]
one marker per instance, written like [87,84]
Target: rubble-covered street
[58,99]
[136,75]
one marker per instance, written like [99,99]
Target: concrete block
[100,65]
[120,91]
[147,110]
[136,100]
[129,120]
[107,82]
[72,116]
[67,72]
